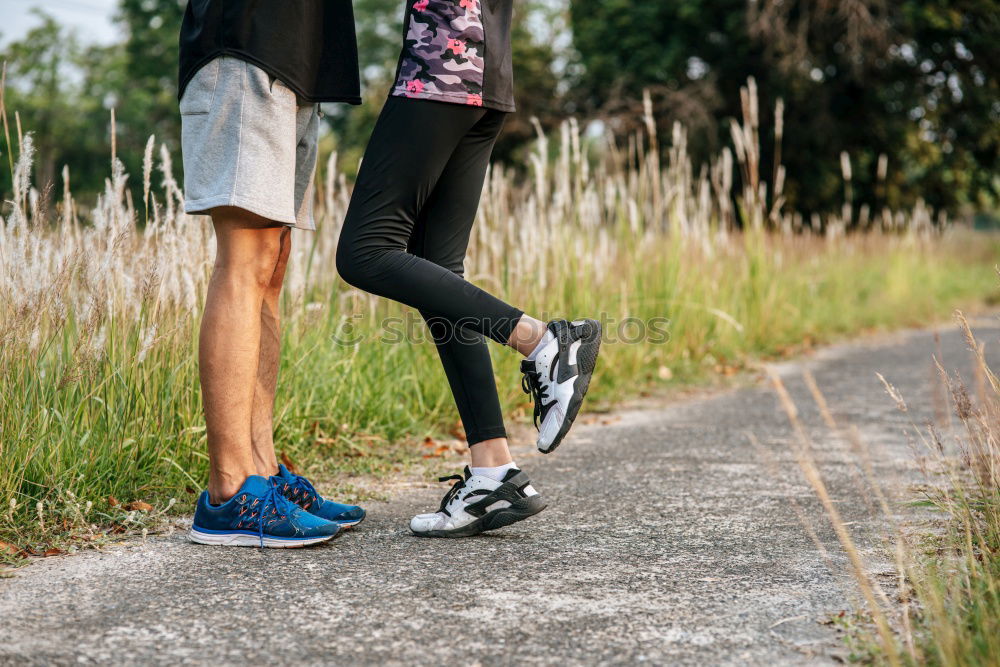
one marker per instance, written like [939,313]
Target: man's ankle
[223,486]
[267,469]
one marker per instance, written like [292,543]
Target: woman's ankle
[490,453]
[527,334]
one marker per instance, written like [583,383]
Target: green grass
[945,609]
[955,571]
[83,426]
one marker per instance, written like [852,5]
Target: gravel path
[667,539]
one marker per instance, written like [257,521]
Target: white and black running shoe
[557,377]
[475,504]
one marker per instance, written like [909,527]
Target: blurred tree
[914,80]
[949,55]
[146,100]
[379,29]
[537,86]
[64,93]
[50,88]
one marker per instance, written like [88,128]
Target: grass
[99,311]
[946,609]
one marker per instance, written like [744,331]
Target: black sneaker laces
[531,384]
[452,492]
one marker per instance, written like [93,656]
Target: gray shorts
[247,142]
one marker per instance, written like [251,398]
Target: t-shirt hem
[274,72]
[453,99]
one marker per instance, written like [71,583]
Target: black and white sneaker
[558,377]
[475,504]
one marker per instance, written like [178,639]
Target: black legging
[407,232]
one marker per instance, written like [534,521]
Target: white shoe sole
[518,511]
[243,540]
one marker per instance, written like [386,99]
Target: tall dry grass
[99,308]
[945,606]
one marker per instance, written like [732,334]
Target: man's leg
[248,252]
[262,413]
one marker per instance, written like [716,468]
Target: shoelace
[302,484]
[277,503]
[452,492]
[531,384]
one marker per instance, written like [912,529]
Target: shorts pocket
[200,91]
[266,87]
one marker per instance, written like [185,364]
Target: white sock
[497,474]
[546,339]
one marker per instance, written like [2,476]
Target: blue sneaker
[258,515]
[300,491]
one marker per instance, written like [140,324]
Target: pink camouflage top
[457,51]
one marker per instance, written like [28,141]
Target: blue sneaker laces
[272,499]
[301,486]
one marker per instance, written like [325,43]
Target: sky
[90,18]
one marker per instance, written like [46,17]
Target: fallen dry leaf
[429,442]
[53,552]
[113,501]
[139,506]
[288,462]
[10,549]
[458,431]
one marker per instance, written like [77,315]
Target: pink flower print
[415,87]
[467,4]
[474,100]
[457,46]
[421,5]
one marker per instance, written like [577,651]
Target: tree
[50,84]
[64,94]
[146,100]
[867,77]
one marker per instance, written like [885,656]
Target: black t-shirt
[310,45]
[457,51]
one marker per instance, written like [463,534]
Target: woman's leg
[413,143]
[441,235]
